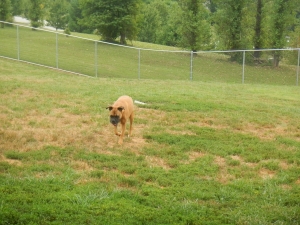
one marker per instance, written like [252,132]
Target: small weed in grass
[90,198]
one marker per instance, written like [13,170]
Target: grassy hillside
[110,61]
[201,153]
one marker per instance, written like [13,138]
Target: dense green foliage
[5,11]
[36,12]
[58,14]
[112,18]
[195,28]
[281,19]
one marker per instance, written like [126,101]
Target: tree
[75,16]
[283,17]
[36,12]
[149,24]
[18,7]
[228,18]
[195,29]
[112,18]
[210,4]
[58,14]
[173,26]
[258,29]
[5,11]
[160,22]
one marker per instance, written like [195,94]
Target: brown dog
[121,111]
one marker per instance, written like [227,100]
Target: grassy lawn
[201,152]
[110,61]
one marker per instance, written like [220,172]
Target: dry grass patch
[81,166]
[223,176]
[267,132]
[157,162]
[59,129]
[266,174]
[193,156]
[149,115]
[13,162]
[133,143]
[209,122]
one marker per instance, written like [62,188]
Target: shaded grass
[201,153]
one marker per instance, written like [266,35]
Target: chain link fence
[100,59]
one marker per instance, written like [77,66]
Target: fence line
[161,63]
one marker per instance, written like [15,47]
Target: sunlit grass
[201,153]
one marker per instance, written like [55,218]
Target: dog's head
[115,114]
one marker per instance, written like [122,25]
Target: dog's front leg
[116,130]
[122,133]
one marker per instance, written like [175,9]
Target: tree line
[190,24]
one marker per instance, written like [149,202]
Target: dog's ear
[121,108]
[109,108]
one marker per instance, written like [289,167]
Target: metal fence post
[191,69]
[243,75]
[297,82]
[139,64]
[96,58]
[18,42]
[56,50]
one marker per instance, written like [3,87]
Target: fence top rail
[147,49]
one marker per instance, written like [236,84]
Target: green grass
[111,61]
[201,152]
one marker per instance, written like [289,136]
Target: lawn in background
[143,61]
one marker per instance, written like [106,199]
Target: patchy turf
[201,153]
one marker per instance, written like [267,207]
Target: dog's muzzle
[114,120]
